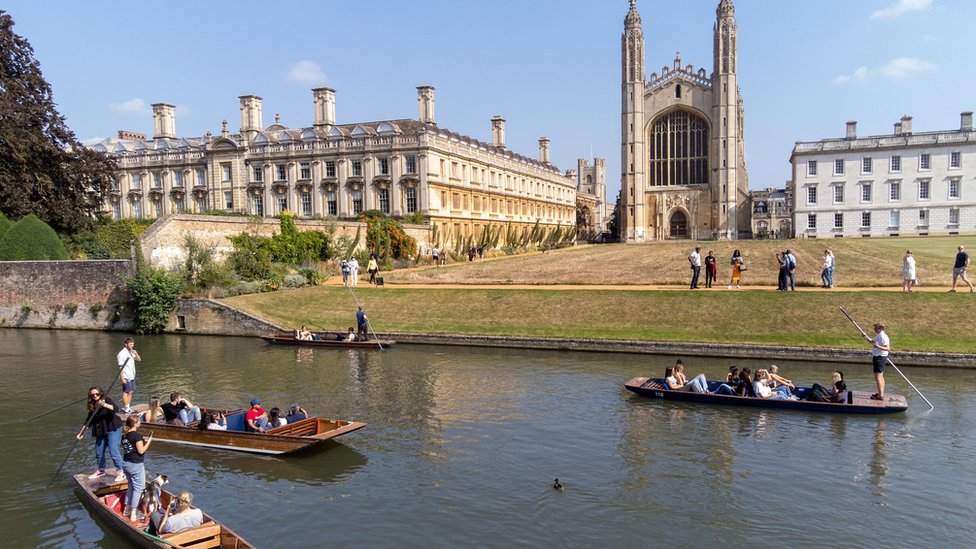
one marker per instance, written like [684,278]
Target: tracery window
[678,150]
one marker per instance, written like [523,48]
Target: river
[463,445]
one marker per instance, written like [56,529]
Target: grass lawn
[937,322]
[861,262]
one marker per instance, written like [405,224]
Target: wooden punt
[107,499]
[857,402]
[282,440]
[328,340]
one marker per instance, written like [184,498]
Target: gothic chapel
[683,171]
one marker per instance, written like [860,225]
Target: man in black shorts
[959,269]
[881,344]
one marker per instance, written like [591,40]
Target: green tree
[44,169]
[154,293]
[31,239]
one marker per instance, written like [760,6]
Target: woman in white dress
[908,271]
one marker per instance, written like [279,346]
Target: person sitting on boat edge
[303,334]
[179,516]
[777,380]
[256,419]
[351,336]
[180,411]
[761,387]
[274,418]
[153,414]
[213,422]
[296,413]
[675,380]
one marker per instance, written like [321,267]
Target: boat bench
[204,536]
[303,428]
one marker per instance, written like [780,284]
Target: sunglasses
[95,394]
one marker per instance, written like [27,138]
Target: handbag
[743,267]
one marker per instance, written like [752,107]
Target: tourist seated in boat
[274,419]
[839,393]
[744,387]
[180,411]
[256,419]
[296,413]
[675,380]
[179,516]
[153,414]
[777,380]
[213,422]
[732,378]
[761,388]
[837,376]
[351,336]
[303,334]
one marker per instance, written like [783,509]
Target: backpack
[818,394]
[790,262]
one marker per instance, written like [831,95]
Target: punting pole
[931,407]
[368,325]
[55,410]
[161,540]
[118,375]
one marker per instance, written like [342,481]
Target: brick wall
[65,294]
[207,317]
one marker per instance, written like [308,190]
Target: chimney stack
[906,125]
[852,129]
[164,121]
[250,114]
[323,102]
[498,131]
[425,104]
[544,150]
[897,128]
[967,121]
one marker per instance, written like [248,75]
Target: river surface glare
[463,445]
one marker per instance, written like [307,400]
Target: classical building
[772,212]
[591,196]
[683,169]
[399,167]
[900,184]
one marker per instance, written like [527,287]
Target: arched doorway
[679,225]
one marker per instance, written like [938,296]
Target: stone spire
[633,18]
[725,9]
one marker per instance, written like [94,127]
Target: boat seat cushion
[235,422]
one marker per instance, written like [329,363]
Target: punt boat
[107,499]
[286,439]
[857,402]
[326,340]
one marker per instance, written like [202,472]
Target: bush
[5,225]
[154,294]
[294,281]
[31,239]
[386,237]
[85,245]
[117,234]
[250,260]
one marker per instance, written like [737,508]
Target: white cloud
[899,68]
[306,72]
[132,106]
[902,7]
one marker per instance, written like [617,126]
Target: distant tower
[730,190]
[632,184]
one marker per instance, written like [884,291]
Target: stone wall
[162,242]
[65,294]
[208,317]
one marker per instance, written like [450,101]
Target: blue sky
[550,67]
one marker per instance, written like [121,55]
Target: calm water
[463,445]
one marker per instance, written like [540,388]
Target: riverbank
[918,322]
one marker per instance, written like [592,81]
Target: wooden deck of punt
[282,440]
[105,497]
[857,402]
[327,341]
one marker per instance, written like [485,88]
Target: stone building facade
[400,167]
[772,212]
[591,195]
[683,171]
[899,184]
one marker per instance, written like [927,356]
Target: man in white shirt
[127,359]
[881,344]
[695,260]
[354,271]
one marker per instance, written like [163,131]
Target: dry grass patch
[861,262]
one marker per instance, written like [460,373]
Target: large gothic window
[678,150]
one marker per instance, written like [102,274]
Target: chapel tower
[633,215]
